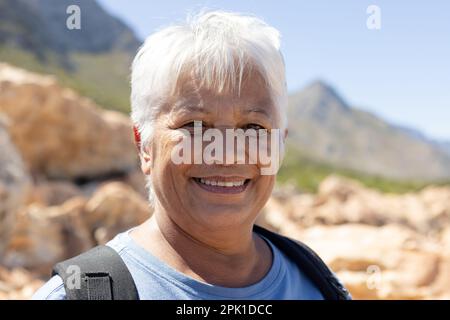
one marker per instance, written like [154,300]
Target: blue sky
[401,72]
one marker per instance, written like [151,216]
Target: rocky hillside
[69,180]
[324,127]
[69,177]
[59,133]
[382,246]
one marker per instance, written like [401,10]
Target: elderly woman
[220,71]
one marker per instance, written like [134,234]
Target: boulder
[44,235]
[340,200]
[53,193]
[113,208]
[18,284]
[389,262]
[61,134]
[14,183]
[383,246]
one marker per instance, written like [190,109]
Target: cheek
[163,143]
[164,168]
[169,179]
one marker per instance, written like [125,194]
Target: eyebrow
[257,110]
[189,108]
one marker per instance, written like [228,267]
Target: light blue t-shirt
[155,280]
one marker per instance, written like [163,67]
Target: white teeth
[222,183]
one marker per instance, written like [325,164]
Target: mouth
[227,185]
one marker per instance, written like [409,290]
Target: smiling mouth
[228,186]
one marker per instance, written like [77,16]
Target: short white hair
[218,47]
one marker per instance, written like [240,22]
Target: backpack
[104,275]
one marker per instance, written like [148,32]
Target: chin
[223,217]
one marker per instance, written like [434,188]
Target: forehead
[251,91]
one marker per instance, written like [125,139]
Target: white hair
[216,46]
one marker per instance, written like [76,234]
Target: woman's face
[200,196]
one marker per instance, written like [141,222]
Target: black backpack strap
[97,274]
[310,263]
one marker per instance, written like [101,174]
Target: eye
[253,126]
[190,124]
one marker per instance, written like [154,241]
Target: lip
[221,189]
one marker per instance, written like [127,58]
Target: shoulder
[51,290]
[54,289]
[326,271]
[294,283]
[309,262]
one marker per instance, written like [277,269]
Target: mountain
[325,128]
[43,27]
[94,60]
[444,146]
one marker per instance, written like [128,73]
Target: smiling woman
[226,71]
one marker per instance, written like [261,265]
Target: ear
[145,156]
[144,153]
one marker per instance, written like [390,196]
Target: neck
[231,258]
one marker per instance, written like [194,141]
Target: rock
[113,208]
[389,262]
[136,180]
[18,284]
[14,183]
[275,217]
[45,235]
[445,237]
[341,200]
[53,193]
[383,246]
[437,202]
[339,187]
[59,133]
